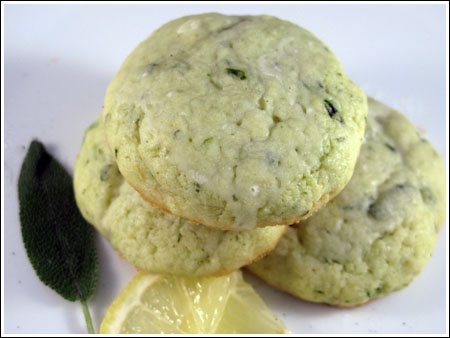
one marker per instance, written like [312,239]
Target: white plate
[58,62]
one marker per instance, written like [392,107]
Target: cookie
[148,238]
[378,233]
[234,122]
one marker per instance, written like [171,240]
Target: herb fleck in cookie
[148,238]
[234,122]
[378,234]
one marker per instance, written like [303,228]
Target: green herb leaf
[427,195]
[105,172]
[237,72]
[150,67]
[332,111]
[58,241]
[376,211]
[390,147]
[197,187]
[208,140]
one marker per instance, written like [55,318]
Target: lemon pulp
[169,304]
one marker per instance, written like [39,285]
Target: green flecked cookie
[148,238]
[234,122]
[378,233]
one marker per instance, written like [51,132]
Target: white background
[59,60]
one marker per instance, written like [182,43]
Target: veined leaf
[58,241]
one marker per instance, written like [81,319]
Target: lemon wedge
[170,304]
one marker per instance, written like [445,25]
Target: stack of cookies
[230,140]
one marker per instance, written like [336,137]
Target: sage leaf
[240,74]
[332,111]
[58,241]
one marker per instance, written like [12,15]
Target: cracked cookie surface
[148,238]
[234,122]
[378,233]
